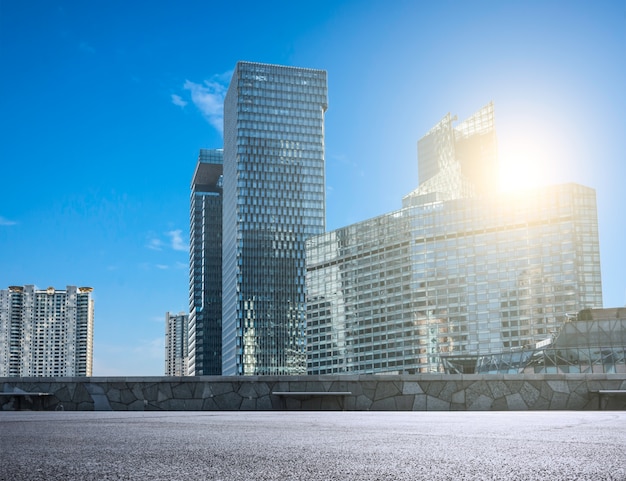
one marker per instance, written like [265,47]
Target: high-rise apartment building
[46,333]
[205,266]
[176,343]
[273,201]
[459,271]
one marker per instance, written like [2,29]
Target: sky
[105,104]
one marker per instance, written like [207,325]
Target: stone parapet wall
[430,392]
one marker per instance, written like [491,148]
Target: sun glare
[525,162]
[519,171]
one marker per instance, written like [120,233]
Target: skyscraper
[459,161]
[459,272]
[273,201]
[205,266]
[176,344]
[46,333]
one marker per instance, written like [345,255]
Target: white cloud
[177,242]
[163,267]
[177,100]
[208,97]
[155,244]
[5,221]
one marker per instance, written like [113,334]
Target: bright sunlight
[528,157]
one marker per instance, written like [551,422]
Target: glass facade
[459,161]
[46,333]
[273,201]
[459,271]
[205,266]
[460,277]
[594,341]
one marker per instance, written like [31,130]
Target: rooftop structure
[459,161]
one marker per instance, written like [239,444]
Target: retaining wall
[433,392]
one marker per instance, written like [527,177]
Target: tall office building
[205,266]
[176,343]
[458,272]
[273,201]
[46,333]
[459,161]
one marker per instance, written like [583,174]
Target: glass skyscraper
[205,266]
[273,201]
[459,161]
[458,271]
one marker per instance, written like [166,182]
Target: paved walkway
[313,445]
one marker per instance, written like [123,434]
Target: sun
[525,161]
[518,172]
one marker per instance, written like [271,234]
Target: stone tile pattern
[433,392]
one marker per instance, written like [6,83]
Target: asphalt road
[313,445]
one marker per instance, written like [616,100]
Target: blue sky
[105,104]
